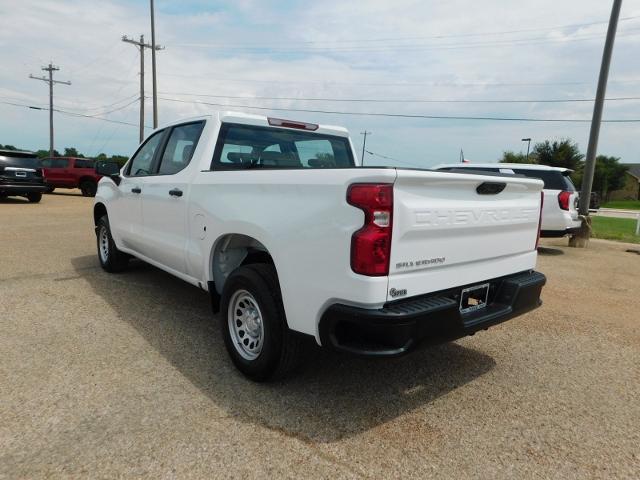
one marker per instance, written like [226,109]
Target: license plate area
[474,298]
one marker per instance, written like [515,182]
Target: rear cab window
[246,146]
[180,146]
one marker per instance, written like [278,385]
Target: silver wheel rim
[103,244]
[244,320]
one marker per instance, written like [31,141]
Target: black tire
[50,189]
[281,349]
[111,259]
[88,188]
[34,197]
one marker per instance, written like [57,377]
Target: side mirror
[109,169]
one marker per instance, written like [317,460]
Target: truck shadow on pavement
[335,396]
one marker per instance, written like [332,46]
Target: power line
[401,115]
[427,37]
[392,159]
[381,100]
[257,50]
[71,114]
[102,107]
[404,84]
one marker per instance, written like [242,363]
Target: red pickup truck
[71,172]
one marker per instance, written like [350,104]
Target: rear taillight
[371,245]
[563,200]
[540,219]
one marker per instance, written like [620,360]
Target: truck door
[165,197]
[126,210]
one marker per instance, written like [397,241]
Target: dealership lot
[126,375]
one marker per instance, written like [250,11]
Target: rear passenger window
[179,150]
[553,180]
[54,163]
[83,164]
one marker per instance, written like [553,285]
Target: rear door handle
[176,192]
[136,190]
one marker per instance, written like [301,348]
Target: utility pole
[581,239]
[141,46]
[50,68]
[364,144]
[153,69]
[528,140]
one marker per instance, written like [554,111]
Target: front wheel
[34,197]
[88,188]
[111,259]
[254,326]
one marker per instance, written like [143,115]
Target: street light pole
[364,144]
[528,140]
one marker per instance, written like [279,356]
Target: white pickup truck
[294,240]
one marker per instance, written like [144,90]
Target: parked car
[71,172]
[294,240]
[21,175]
[560,212]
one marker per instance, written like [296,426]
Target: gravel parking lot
[125,375]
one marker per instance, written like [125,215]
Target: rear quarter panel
[303,219]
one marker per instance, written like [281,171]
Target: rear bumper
[559,233]
[19,189]
[398,326]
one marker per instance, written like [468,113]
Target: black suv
[21,175]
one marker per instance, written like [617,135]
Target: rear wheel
[50,189]
[254,326]
[88,188]
[111,259]
[34,197]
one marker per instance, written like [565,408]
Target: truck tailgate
[448,230]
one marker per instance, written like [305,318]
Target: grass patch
[620,229]
[623,204]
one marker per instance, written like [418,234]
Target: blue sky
[406,53]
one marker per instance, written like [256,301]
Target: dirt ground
[126,375]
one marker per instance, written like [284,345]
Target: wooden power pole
[141,46]
[50,68]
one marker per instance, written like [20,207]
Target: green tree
[509,156]
[119,159]
[609,175]
[72,152]
[45,153]
[8,147]
[563,153]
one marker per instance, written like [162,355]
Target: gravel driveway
[126,375]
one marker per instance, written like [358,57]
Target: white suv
[560,210]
